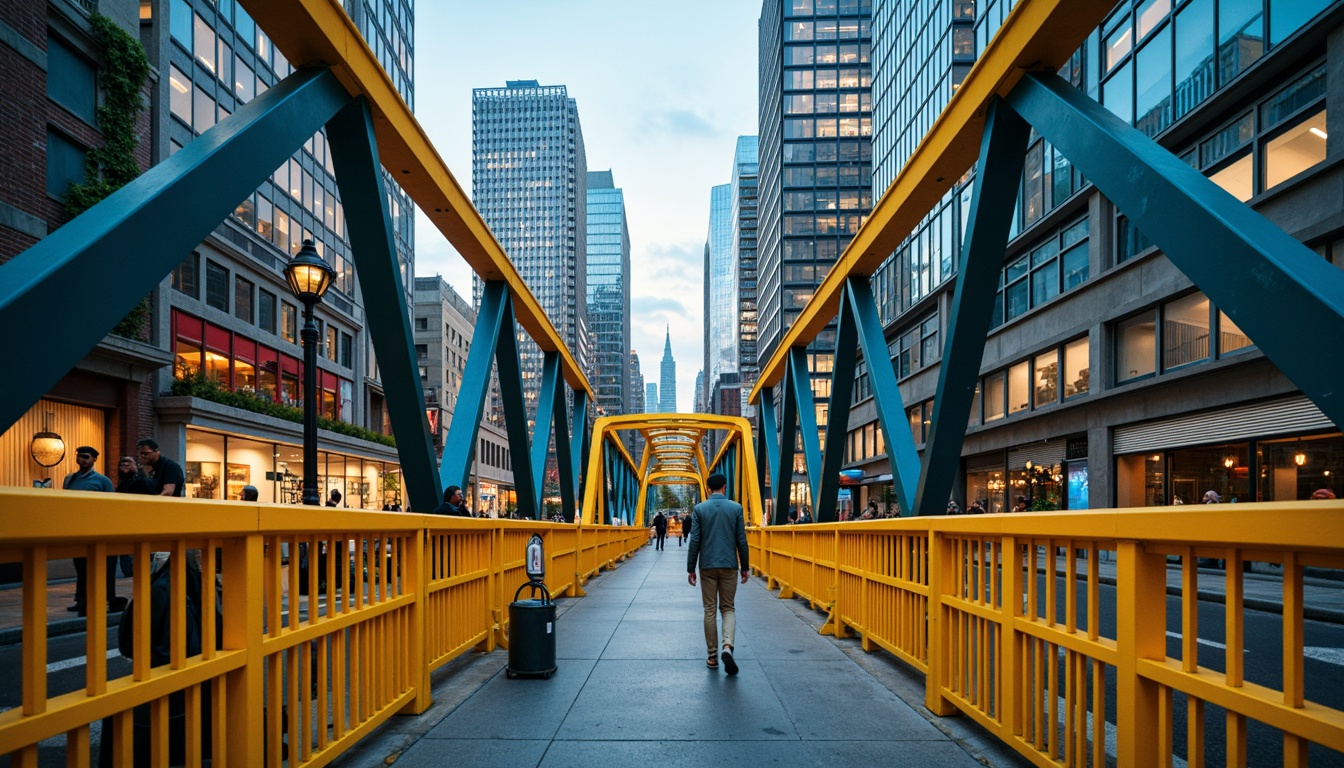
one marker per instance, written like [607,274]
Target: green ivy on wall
[121,74]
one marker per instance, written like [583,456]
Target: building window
[1136,348]
[995,392]
[216,286]
[289,322]
[179,22]
[1059,262]
[266,310]
[1185,331]
[65,164]
[71,79]
[1077,367]
[347,350]
[186,276]
[242,298]
[421,324]
[422,351]
[333,341]
[179,94]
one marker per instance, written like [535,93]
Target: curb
[1267,606]
[60,628]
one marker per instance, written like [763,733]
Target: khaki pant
[718,587]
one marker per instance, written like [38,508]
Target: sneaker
[729,665]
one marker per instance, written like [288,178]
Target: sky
[663,91]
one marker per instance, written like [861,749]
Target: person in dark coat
[660,530]
[452,503]
[131,479]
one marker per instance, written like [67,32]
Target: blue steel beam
[901,454]
[578,435]
[354,150]
[466,422]
[767,447]
[509,367]
[541,430]
[801,380]
[782,478]
[1272,286]
[116,252]
[1002,153]
[837,423]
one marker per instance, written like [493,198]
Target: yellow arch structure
[672,450]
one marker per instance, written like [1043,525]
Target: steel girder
[1251,269]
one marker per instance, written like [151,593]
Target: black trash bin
[531,634]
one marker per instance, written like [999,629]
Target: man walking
[719,543]
[452,503]
[89,479]
[660,530]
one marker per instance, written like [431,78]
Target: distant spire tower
[667,387]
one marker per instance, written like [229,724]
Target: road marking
[1324,653]
[1201,641]
[57,666]
[1112,736]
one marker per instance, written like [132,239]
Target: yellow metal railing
[307,663]
[974,603]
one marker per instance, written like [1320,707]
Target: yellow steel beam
[1038,35]
[318,33]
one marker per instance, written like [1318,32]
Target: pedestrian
[1211,497]
[452,503]
[685,528]
[250,493]
[719,547]
[870,512]
[1322,494]
[90,479]
[659,531]
[975,508]
[1020,504]
[166,476]
[131,479]
[334,498]
[805,516]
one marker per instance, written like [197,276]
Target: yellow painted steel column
[1010,610]
[416,566]
[940,574]
[243,632]
[34,649]
[1141,581]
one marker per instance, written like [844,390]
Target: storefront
[218,465]
[1283,450]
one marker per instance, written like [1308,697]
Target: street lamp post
[309,278]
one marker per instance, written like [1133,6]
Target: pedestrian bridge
[1043,629]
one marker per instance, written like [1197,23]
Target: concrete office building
[1108,379]
[529,181]
[608,283]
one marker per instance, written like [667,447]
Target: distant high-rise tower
[634,440]
[815,157]
[720,293]
[608,279]
[701,402]
[743,189]
[651,398]
[667,385]
[529,181]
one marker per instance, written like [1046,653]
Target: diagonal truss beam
[360,179]
[1002,154]
[1250,268]
[120,249]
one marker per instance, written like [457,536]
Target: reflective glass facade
[815,159]
[529,181]
[744,216]
[667,380]
[608,283]
[720,290]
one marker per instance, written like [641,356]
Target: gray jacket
[718,535]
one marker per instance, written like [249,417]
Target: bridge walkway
[632,688]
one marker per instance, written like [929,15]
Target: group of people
[155,474]
[660,524]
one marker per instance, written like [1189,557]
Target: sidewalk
[632,688]
[1322,599]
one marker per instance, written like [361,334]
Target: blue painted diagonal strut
[801,382]
[466,422]
[1002,153]
[1249,268]
[354,150]
[837,423]
[119,250]
[546,408]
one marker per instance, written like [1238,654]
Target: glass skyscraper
[744,209]
[815,160]
[529,181]
[667,380]
[720,291]
[608,282]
